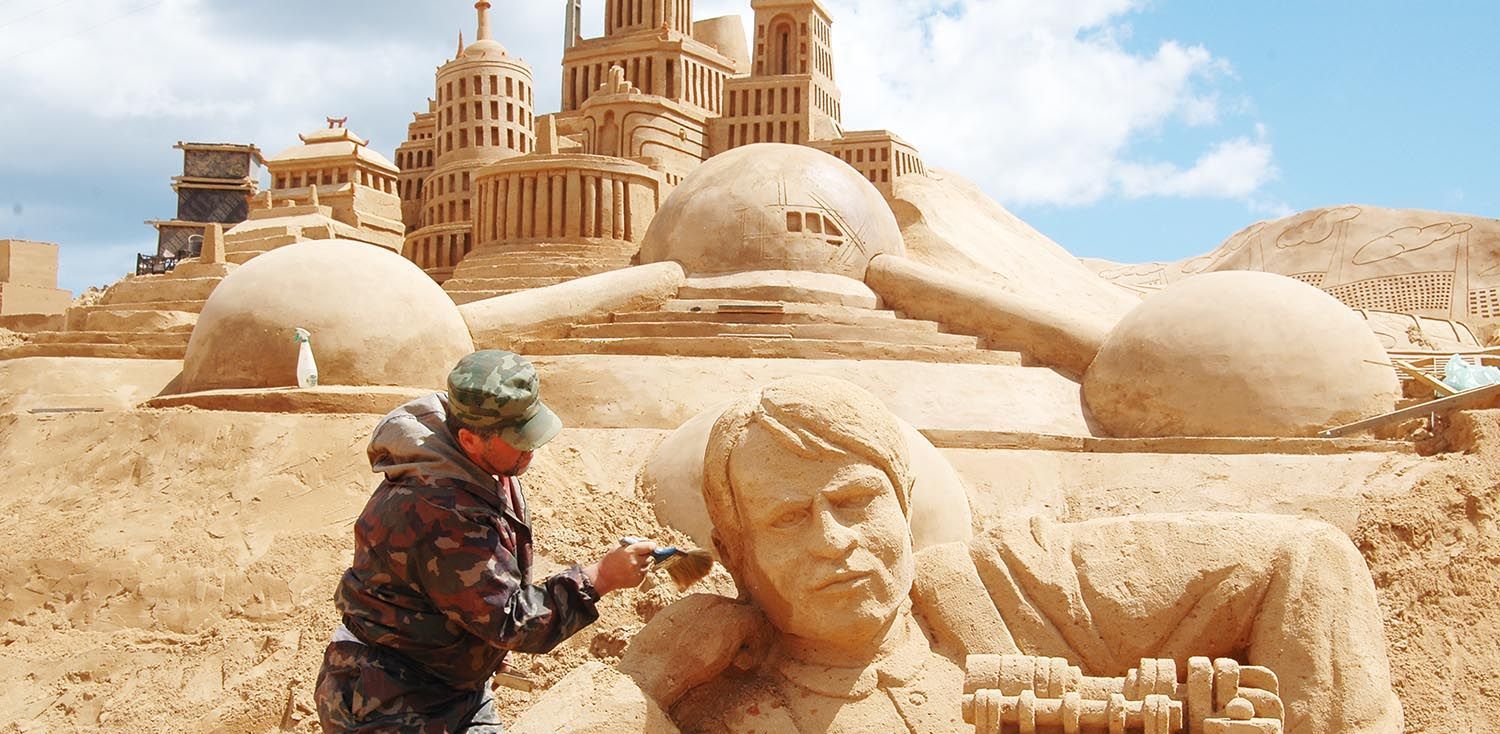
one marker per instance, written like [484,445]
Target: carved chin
[837,614]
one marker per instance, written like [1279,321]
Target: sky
[1129,130]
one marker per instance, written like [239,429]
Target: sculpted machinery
[1018,694]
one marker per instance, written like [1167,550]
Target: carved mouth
[842,580]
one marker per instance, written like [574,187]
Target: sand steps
[747,347]
[497,271]
[894,332]
[778,293]
[746,328]
[141,290]
[140,317]
[163,338]
[107,351]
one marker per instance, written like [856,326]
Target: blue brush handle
[658,555]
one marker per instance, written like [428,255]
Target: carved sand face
[827,549]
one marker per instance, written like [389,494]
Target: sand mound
[10,338]
[1435,557]
[1439,265]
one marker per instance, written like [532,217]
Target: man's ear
[469,441]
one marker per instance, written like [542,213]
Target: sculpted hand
[691,642]
[621,568]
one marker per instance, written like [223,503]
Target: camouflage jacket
[442,559]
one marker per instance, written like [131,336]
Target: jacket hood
[413,445]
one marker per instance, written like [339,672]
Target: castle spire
[483,6]
[460,45]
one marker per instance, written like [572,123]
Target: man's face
[827,549]
[494,455]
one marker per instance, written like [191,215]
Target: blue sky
[1130,130]
[1384,103]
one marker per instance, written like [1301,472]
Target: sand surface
[172,570]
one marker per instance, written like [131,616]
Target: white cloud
[129,74]
[1041,102]
[1234,169]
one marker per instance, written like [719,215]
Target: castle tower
[415,159]
[572,24]
[790,95]
[626,16]
[482,114]
[653,41]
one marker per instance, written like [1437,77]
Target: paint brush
[685,566]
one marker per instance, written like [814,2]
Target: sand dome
[375,319]
[1238,354]
[770,206]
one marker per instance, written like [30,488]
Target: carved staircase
[772,322]
[490,272]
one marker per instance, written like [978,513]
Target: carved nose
[838,539]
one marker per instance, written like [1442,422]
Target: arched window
[781,47]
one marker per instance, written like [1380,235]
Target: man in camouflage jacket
[440,588]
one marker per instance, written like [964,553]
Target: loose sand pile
[10,338]
[90,296]
[172,570]
[1435,557]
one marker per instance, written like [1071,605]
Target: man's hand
[692,642]
[621,568]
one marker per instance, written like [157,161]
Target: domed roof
[770,206]
[375,319]
[486,49]
[1238,354]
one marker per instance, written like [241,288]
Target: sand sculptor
[841,627]
[440,588]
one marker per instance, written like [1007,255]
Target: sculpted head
[808,487]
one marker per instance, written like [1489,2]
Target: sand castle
[1077,510]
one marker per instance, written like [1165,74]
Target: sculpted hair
[810,417]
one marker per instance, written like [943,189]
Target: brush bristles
[688,567]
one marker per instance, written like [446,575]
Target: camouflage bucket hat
[499,391]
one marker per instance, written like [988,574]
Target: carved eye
[856,501]
[790,519]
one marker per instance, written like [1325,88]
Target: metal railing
[155,264]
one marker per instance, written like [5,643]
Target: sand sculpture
[841,625]
[1429,264]
[481,113]
[497,201]
[153,584]
[217,182]
[28,279]
[331,186]
[379,323]
[773,207]
[1224,354]
[673,478]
